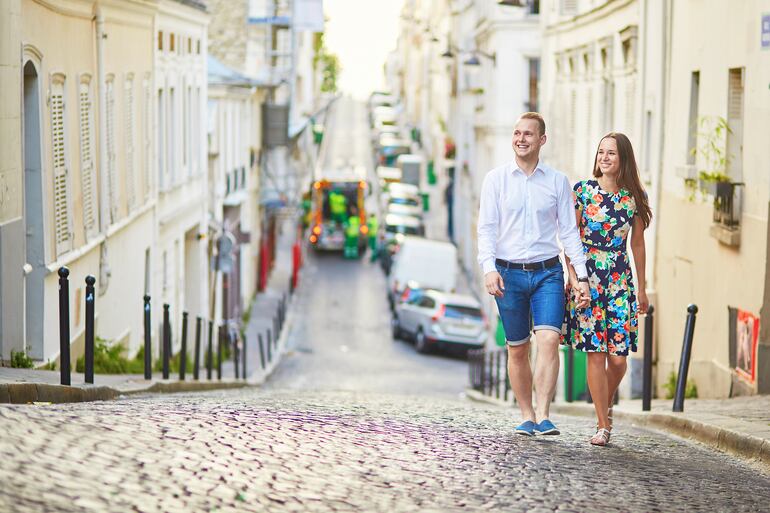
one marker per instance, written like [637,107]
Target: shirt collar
[541,167]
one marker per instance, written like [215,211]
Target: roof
[218,73]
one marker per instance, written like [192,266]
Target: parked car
[431,263]
[387,175]
[393,231]
[441,320]
[403,204]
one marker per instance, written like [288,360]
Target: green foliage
[712,150]
[109,358]
[328,62]
[49,366]
[20,360]
[690,390]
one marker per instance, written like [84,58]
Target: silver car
[442,320]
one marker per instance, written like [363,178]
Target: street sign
[765,41]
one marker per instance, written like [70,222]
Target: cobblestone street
[327,451]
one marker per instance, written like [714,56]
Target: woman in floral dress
[608,208]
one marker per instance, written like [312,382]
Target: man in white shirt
[524,206]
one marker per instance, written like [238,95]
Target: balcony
[728,198]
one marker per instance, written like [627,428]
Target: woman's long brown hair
[628,177]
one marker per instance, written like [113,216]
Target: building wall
[693,266]
[11,181]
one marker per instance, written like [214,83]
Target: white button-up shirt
[520,217]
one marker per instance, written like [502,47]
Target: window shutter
[61,193]
[87,168]
[129,115]
[735,99]
[147,137]
[112,179]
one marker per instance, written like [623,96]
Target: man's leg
[546,370]
[520,374]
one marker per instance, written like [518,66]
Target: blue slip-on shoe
[526,428]
[546,427]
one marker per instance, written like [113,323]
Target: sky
[361,33]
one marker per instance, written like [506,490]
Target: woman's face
[607,157]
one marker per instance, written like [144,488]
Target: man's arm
[568,232]
[488,223]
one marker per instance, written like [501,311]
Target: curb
[25,393]
[749,448]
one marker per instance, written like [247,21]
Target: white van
[429,263]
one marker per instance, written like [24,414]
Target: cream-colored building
[181,250]
[716,257]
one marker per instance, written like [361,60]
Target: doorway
[33,216]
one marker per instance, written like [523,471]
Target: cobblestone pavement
[342,451]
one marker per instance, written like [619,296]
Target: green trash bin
[500,333]
[425,201]
[579,383]
[318,133]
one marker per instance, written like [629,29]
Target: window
[128,102]
[735,122]
[534,78]
[147,129]
[171,45]
[61,192]
[534,7]
[87,168]
[189,45]
[112,179]
[161,137]
[186,128]
[171,137]
[427,302]
[692,125]
[160,40]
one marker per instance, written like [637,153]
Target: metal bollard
[64,325]
[261,351]
[481,368]
[570,370]
[490,381]
[497,374]
[197,357]
[210,352]
[276,326]
[684,362]
[647,368]
[89,342]
[269,346]
[234,347]
[220,341]
[166,341]
[507,379]
[183,353]
[243,357]
[147,339]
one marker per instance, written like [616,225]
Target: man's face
[527,139]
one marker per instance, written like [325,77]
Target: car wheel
[396,327]
[420,343]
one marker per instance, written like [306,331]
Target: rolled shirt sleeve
[568,232]
[488,223]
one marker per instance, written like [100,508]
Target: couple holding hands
[525,205]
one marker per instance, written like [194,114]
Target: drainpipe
[104,193]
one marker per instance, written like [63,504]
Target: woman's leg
[616,369]
[597,384]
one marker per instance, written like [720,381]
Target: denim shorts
[532,301]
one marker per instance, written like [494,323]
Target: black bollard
[507,379]
[481,367]
[497,374]
[243,358]
[147,339]
[89,342]
[64,325]
[490,381]
[570,370]
[197,357]
[684,362]
[220,342]
[269,346]
[183,354]
[276,327]
[647,368]
[236,351]
[166,341]
[210,352]
[261,351]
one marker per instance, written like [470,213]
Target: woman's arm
[640,255]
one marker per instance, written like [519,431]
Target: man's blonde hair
[537,117]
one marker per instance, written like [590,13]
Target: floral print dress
[610,323]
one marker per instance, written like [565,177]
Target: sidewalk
[739,426]
[24,386]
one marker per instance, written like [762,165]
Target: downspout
[104,212]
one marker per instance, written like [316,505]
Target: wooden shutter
[87,168]
[61,192]
[735,122]
[128,99]
[112,179]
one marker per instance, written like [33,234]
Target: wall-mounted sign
[746,339]
[765,41]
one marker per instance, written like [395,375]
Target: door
[33,216]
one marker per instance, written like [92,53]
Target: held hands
[493,282]
[582,292]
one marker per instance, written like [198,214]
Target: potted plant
[712,176]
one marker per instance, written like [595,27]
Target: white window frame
[88,177]
[61,188]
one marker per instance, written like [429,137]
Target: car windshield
[400,228]
[460,312]
[404,201]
